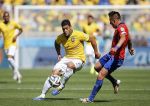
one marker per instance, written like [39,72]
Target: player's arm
[130,47]
[19,33]
[57,48]
[94,45]
[119,44]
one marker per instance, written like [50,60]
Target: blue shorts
[110,63]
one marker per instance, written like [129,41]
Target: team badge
[72,39]
[122,29]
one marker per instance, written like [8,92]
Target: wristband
[116,47]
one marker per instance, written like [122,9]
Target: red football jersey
[121,29]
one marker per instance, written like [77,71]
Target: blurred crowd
[74,2]
[49,21]
[45,21]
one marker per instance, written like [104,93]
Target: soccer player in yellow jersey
[92,29]
[7,30]
[73,61]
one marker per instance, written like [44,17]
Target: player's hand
[131,51]
[113,51]
[97,55]
[59,57]
[14,39]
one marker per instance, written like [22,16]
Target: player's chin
[66,34]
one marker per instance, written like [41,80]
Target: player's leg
[114,82]
[47,85]
[57,71]
[90,58]
[72,66]
[102,61]
[98,84]
[116,64]
[10,55]
[102,74]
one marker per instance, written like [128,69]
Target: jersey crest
[73,39]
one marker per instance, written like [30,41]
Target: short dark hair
[5,12]
[90,16]
[65,22]
[115,14]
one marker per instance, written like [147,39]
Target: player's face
[113,22]
[67,30]
[90,20]
[6,17]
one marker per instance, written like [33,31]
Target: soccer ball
[55,80]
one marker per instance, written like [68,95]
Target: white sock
[12,63]
[14,67]
[46,86]
[66,77]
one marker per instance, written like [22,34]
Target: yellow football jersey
[74,45]
[8,32]
[90,29]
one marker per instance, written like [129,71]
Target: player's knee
[71,65]
[102,74]
[56,72]
[98,67]
[10,59]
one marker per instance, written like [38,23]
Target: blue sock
[95,90]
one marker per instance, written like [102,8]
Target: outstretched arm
[20,31]
[94,45]
[57,48]
[130,48]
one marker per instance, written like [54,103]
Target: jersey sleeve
[58,39]
[17,25]
[83,36]
[122,30]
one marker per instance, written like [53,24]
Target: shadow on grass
[62,99]
[59,99]
[3,82]
[97,101]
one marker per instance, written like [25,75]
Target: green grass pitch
[134,89]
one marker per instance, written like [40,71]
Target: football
[55,80]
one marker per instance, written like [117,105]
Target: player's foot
[86,100]
[41,97]
[57,91]
[92,70]
[116,86]
[15,76]
[19,77]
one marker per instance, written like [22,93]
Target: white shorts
[11,51]
[89,50]
[62,64]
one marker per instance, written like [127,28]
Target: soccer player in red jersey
[115,58]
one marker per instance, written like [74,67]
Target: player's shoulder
[122,25]
[60,35]
[1,22]
[13,22]
[77,32]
